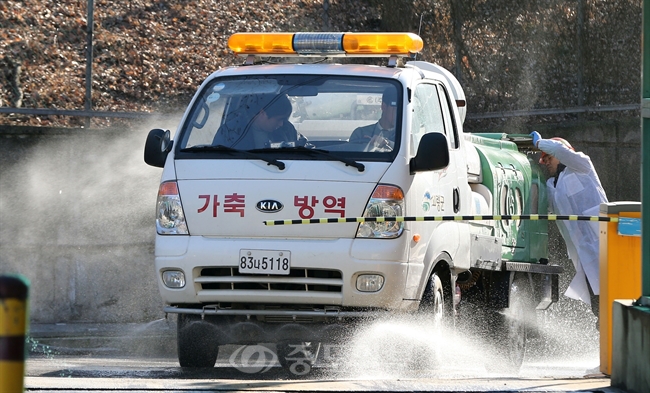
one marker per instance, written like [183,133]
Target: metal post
[89,59]
[645,154]
[14,292]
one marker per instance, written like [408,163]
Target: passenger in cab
[381,135]
[269,127]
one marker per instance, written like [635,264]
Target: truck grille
[303,280]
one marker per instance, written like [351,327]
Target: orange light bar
[381,43]
[262,43]
[325,44]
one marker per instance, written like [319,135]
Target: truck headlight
[386,201]
[370,282]
[170,219]
[173,278]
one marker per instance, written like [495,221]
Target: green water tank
[518,187]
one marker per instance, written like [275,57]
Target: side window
[205,119]
[450,125]
[427,114]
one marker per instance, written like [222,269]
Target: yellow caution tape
[534,217]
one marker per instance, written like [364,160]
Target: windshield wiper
[245,153]
[360,167]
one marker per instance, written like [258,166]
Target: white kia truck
[300,196]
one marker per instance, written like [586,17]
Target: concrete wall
[77,213]
[615,150]
[76,218]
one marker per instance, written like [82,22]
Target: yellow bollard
[14,291]
[620,267]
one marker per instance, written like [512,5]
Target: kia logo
[269,206]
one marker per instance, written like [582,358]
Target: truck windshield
[353,117]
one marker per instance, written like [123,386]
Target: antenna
[420,30]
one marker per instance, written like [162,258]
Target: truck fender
[444,244]
[442,264]
[441,267]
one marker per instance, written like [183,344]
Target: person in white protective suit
[574,189]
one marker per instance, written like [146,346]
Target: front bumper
[324,273]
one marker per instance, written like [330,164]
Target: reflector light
[325,44]
[388,192]
[168,188]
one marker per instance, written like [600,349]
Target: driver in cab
[269,127]
[381,135]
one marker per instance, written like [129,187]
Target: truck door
[437,193]
[457,157]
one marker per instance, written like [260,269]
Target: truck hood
[233,198]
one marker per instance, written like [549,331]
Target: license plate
[264,262]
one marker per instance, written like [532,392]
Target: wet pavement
[155,338]
[142,357]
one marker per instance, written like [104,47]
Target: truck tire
[297,357]
[512,326]
[433,300]
[196,341]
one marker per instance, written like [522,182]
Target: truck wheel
[196,341]
[433,300]
[512,326]
[298,357]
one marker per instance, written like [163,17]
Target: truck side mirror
[432,154]
[157,146]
